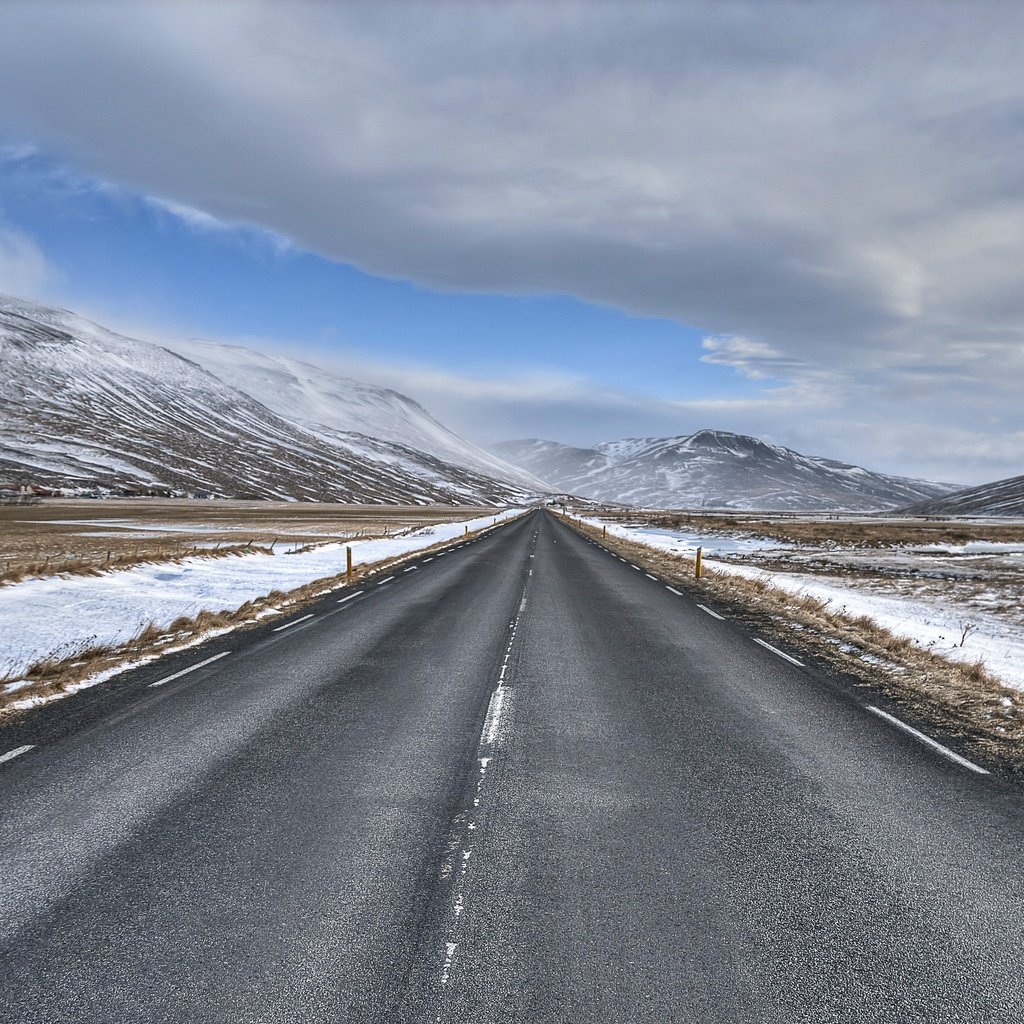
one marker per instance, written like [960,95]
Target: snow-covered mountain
[328,403]
[83,406]
[714,469]
[1000,498]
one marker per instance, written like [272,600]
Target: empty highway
[520,781]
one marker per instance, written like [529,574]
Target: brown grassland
[822,531]
[82,536]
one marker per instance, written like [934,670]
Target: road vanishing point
[525,783]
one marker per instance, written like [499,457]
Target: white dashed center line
[463,833]
[714,615]
[350,596]
[388,580]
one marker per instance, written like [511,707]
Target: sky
[579,221]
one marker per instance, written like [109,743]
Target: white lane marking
[441,554]
[388,580]
[412,568]
[461,840]
[294,622]
[775,650]
[637,567]
[450,948]
[650,577]
[714,615]
[945,751]
[425,560]
[676,592]
[493,718]
[191,668]
[350,596]
[16,752]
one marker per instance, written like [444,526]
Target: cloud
[203,223]
[24,269]
[197,220]
[830,190]
[754,359]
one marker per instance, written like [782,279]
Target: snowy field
[59,615]
[961,601]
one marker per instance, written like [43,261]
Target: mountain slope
[81,405]
[714,469]
[1000,498]
[331,404]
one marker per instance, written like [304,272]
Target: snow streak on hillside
[84,406]
[330,404]
[1001,498]
[714,469]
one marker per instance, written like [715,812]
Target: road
[520,782]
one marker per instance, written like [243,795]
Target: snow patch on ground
[59,615]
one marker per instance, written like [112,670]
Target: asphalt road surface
[521,782]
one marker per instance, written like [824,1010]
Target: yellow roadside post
[466,534]
[348,562]
[604,531]
[697,564]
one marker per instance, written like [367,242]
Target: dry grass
[82,566]
[89,537]
[53,677]
[826,531]
[963,700]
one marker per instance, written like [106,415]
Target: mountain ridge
[85,406]
[714,469]
[998,498]
[334,404]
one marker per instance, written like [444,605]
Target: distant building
[22,494]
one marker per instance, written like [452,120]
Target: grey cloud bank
[832,191]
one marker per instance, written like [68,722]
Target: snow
[937,626]
[933,624]
[681,542]
[74,391]
[713,469]
[343,405]
[60,615]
